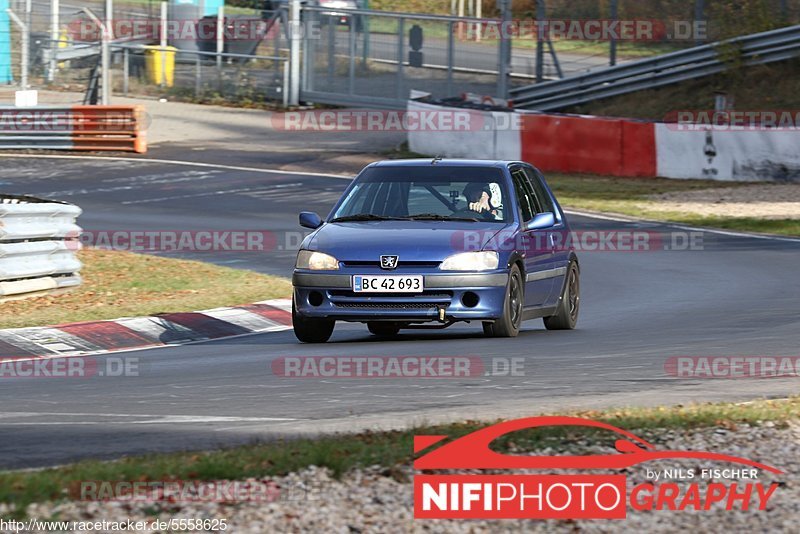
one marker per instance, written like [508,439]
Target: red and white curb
[135,333]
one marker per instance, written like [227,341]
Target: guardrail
[83,128]
[38,241]
[697,62]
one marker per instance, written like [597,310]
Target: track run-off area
[729,295]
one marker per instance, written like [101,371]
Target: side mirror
[309,219]
[542,221]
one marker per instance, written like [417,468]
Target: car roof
[427,162]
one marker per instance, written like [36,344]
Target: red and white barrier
[616,147]
[743,155]
[565,143]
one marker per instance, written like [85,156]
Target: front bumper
[330,296]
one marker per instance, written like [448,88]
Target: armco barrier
[83,128]
[621,147]
[38,241]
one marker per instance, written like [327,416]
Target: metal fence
[202,75]
[368,58]
[62,58]
[38,241]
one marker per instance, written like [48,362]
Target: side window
[523,197]
[535,179]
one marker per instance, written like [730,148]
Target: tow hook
[442,310]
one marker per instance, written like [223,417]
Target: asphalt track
[739,296]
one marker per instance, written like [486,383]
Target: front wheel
[509,324]
[311,330]
[569,304]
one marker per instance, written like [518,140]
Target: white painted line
[623,218]
[178,162]
[6,415]
[193,195]
[101,419]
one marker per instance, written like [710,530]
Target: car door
[533,244]
[557,237]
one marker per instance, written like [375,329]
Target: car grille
[425,294]
[387,305]
[401,266]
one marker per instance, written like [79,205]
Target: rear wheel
[509,324]
[569,304]
[311,330]
[383,329]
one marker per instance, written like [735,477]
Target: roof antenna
[436,160]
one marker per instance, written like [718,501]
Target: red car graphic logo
[472,451]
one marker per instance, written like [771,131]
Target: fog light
[315,298]
[470,299]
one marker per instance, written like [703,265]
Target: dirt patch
[767,201]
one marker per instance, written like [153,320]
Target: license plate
[388,284]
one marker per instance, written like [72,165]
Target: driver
[479,197]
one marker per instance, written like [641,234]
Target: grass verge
[389,449]
[119,284]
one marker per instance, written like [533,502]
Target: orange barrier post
[117,128]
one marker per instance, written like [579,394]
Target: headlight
[316,261]
[471,261]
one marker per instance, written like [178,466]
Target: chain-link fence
[65,52]
[370,55]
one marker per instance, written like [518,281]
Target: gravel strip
[380,500]
[767,201]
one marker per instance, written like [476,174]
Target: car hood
[422,241]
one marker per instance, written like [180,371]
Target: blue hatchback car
[428,243]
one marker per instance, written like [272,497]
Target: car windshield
[434,193]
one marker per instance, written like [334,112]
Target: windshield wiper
[363,217]
[436,217]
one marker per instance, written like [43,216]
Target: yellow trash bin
[159,61]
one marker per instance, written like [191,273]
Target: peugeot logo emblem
[389,262]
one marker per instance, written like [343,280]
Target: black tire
[509,324]
[311,330]
[384,329]
[569,305]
